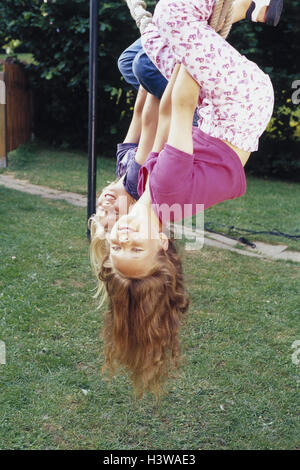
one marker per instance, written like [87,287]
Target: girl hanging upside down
[138,70]
[116,198]
[188,166]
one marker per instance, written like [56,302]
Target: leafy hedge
[56,32]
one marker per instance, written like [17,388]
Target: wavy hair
[98,250]
[141,326]
[99,247]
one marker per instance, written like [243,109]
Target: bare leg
[134,130]
[184,101]
[149,126]
[164,118]
[240,8]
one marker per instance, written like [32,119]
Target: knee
[138,67]
[142,69]
[125,68]
[148,75]
[122,63]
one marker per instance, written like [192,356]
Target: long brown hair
[141,327]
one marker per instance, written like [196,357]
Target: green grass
[59,169]
[267,205]
[238,389]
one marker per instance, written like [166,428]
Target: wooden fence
[15,110]
[3,128]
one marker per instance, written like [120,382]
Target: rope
[220,20]
[221,17]
[232,230]
[139,13]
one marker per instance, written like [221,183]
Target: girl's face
[113,202]
[135,240]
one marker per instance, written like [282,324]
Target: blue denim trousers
[137,69]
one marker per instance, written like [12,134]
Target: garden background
[239,384]
[56,34]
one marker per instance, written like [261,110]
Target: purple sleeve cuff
[125,153]
[131,179]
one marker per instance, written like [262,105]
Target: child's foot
[265,11]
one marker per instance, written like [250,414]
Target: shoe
[273,13]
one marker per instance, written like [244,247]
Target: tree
[56,32]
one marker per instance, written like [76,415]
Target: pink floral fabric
[236,98]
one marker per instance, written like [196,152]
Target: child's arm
[173,171]
[173,166]
[125,150]
[135,127]
[149,126]
[165,109]
[185,95]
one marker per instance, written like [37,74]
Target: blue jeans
[137,69]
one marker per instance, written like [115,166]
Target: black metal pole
[93,77]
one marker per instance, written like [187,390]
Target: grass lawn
[238,389]
[267,206]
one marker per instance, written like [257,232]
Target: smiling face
[135,240]
[113,202]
